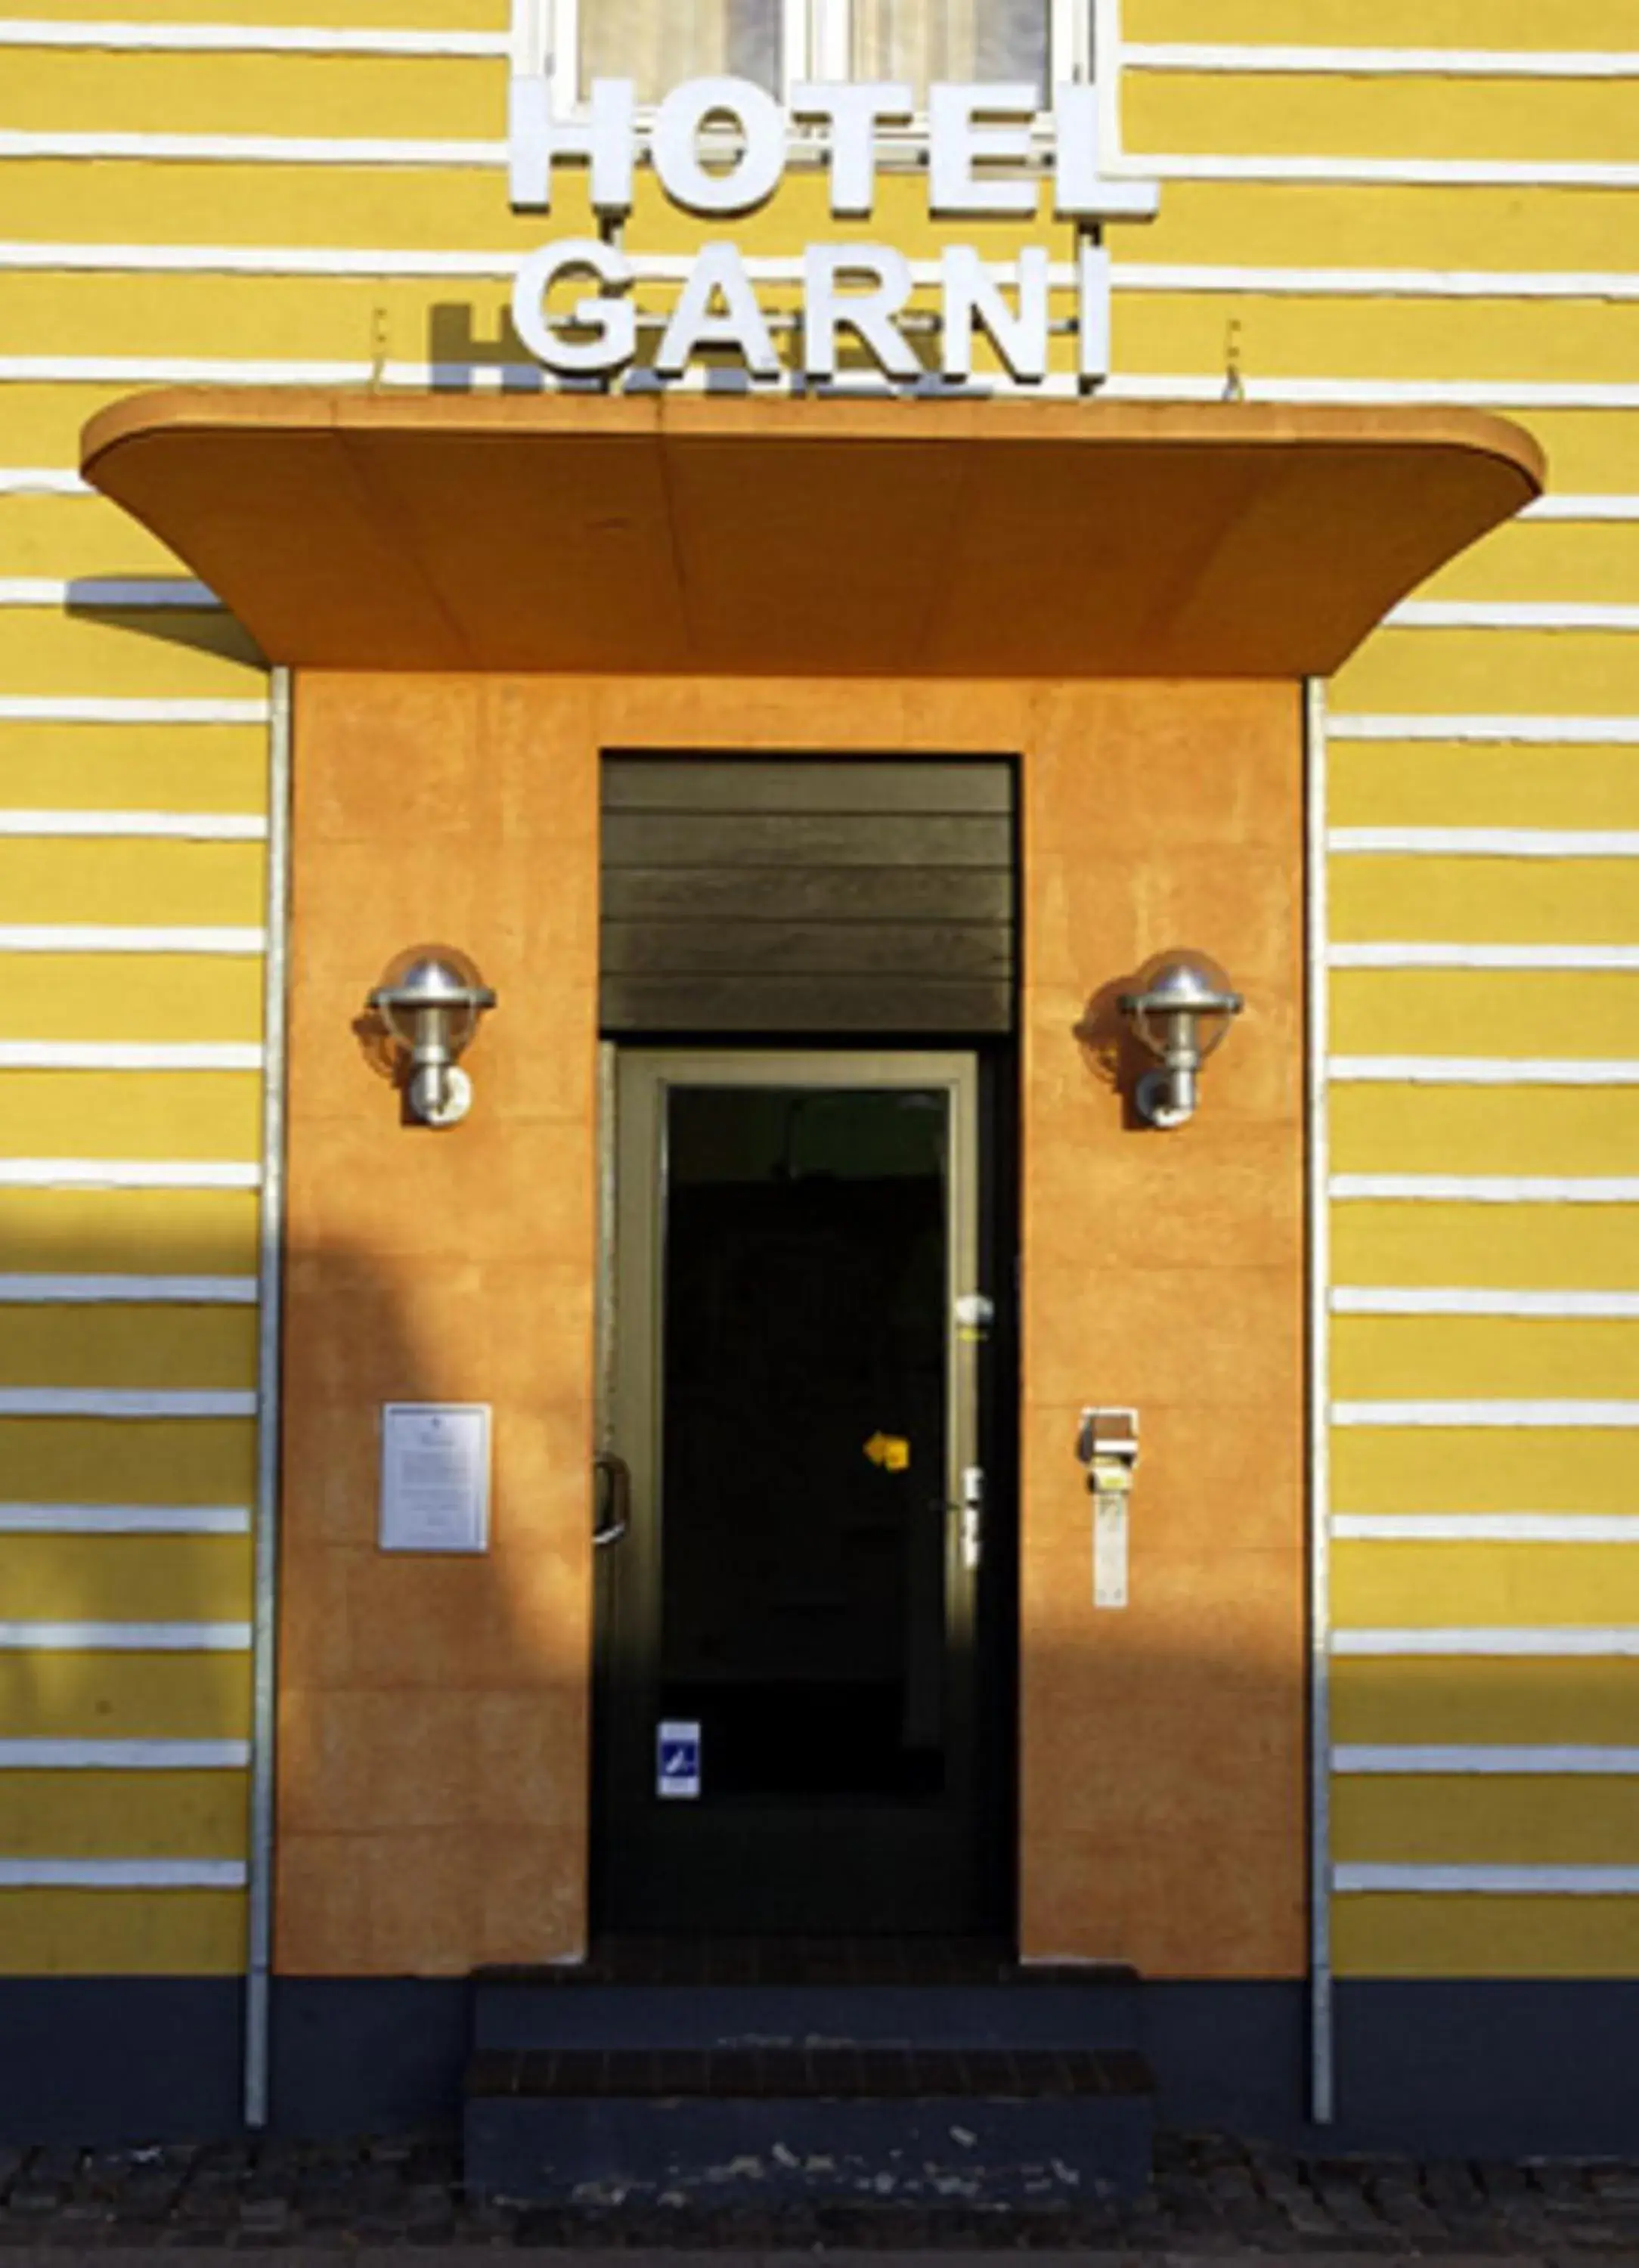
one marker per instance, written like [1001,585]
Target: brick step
[834,2124]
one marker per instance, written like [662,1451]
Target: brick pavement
[1211,2196]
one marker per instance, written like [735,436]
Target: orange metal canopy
[822,536]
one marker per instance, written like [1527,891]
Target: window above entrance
[777,43]
[658,44]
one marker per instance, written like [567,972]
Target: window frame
[817,44]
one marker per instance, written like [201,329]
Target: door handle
[612,1479]
[970,1509]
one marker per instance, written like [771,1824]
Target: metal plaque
[435,1476]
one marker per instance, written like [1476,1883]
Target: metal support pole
[1322,2045]
[270,1288]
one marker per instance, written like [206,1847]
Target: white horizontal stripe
[250,39]
[124,1519]
[129,370]
[1490,1189]
[1532,1763]
[121,1875]
[122,1402]
[116,708]
[1490,1881]
[1119,195]
[1619,285]
[1405,1299]
[1381,62]
[185,826]
[1583,507]
[175,369]
[137,591]
[1536,1417]
[300,260]
[859,386]
[490,155]
[124,1756]
[127,1173]
[129,1054]
[253,148]
[92,937]
[1349,392]
[125,1638]
[1484,842]
[1486,1526]
[367,261]
[1401,172]
[513,378]
[1608,958]
[1530,732]
[1469,1070]
[128,1291]
[41,480]
[1567,1643]
[1509,615]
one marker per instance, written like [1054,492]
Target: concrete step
[806,1992]
[834,2125]
[1012,2007]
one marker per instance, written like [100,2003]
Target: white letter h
[606,137]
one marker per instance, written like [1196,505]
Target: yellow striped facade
[136,268]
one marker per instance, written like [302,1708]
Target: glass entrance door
[793,1504]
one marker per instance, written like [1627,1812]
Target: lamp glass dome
[432,978]
[1182,985]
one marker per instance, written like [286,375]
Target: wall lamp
[1182,1009]
[430,999]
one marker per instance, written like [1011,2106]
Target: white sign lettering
[973,301]
[751,178]
[854,113]
[959,146]
[718,275]
[611,322]
[606,139]
[869,314]
[722,146]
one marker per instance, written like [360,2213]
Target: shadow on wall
[457,349]
[1111,1051]
[465,341]
[201,629]
[432,1742]
[431,1714]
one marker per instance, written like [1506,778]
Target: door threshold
[743,1959]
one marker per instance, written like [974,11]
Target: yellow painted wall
[1382,237]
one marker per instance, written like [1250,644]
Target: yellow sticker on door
[890,1451]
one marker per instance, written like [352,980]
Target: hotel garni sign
[721,146]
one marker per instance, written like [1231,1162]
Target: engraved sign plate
[435,1476]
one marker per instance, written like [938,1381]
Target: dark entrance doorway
[803,1710]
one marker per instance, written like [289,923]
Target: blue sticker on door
[677,1763]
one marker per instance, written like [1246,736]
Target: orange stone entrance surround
[434,1715]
